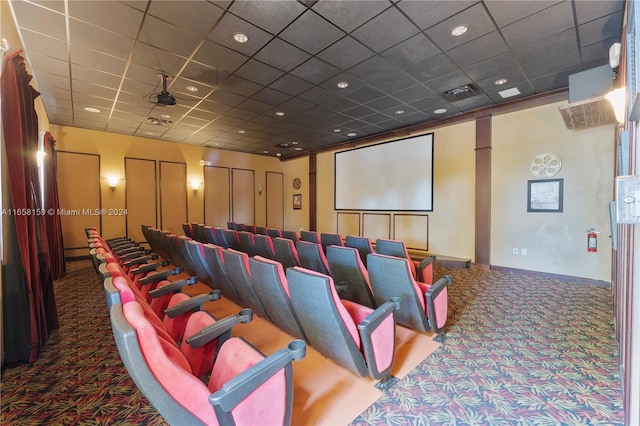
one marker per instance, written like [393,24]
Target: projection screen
[392,176]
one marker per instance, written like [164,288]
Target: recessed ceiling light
[242,132]
[165,116]
[343,85]
[265,152]
[279,113]
[91,109]
[240,37]
[297,148]
[192,88]
[400,112]
[150,133]
[278,154]
[351,134]
[500,81]
[440,111]
[295,143]
[509,92]
[337,130]
[459,30]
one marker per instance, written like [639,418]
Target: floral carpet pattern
[519,350]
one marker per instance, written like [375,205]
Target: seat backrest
[327,239]
[270,282]
[218,232]
[236,265]
[310,236]
[391,248]
[248,228]
[186,227]
[326,322]
[274,232]
[348,271]
[391,276]
[264,246]
[362,244]
[247,243]
[285,252]
[262,230]
[312,257]
[202,271]
[215,262]
[292,235]
[231,239]
[209,236]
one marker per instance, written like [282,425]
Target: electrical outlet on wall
[515,250]
[524,252]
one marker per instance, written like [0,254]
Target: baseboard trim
[547,275]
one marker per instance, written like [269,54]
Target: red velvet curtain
[28,297]
[51,203]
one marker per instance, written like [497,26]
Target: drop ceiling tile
[196,17]
[112,16]
[52,102]
[315,71]
[49,65]
[241,114]
[137,112]
[552,20]
[97,60]
[47,46]
[553,45]
[358,111]
[349,15]
[254,106]
[507,12]
[589,10]
[525,90]
[201,76]
[393,24]
[281,55]
[475,17]
[477,50]
[167,37]
[82,100]
[597,51]
[214,107]
[385,103]
[364,94]
[427,14]
[291,85]
[324,33]
[259,72]
[382,75]
[158,60]
[239,86]
[56,5]
[96,38]
[40,19]
[229,25]
[48,80]
[448,81]
[297,104]
[203,114]
[411,51]
[272,16]
[600,29]
[433,67]
[346,53]
[429,104]
[412,93]
[219,57]
[94,76]
[514,76]
[559,62]
[317,95]
[225,97]
[492,66]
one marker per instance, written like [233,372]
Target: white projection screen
[391,176]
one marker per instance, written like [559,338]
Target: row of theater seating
[357,334]
[171,347]
[362,274]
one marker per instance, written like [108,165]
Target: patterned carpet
[518,351]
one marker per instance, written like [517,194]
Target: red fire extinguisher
[592,240]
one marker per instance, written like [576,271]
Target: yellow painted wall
[555,242]
[113,148]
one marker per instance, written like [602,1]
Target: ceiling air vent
[462,92]
[587,113]
[158,121]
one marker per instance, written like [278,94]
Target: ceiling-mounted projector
[164,98]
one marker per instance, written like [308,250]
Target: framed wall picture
[545,195]
[297,201]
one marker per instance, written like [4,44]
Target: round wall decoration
[297,183]
[545,165]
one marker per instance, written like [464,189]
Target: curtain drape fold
[27,283]
[51,203]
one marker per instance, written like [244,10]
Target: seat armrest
[159,276]
[133,254]
[238,388]
[172,287]
[220,327]
[424,270]
[436,299]
[119,251]
[140,260]
[192,304]
[378,336]
[149,267]
[103,272]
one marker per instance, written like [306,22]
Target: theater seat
[328,239]
[358,338]
[247,243]
[286,252]
[421,270]
[362,244]
[264,246]
[244,386]
[310,236]
[424,306]
[312,257]
[350,276]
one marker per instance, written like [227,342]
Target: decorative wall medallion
[545,165]
[297,183]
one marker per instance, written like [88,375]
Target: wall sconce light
[618,99]
[195,185]
[260,188]
[113,182]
